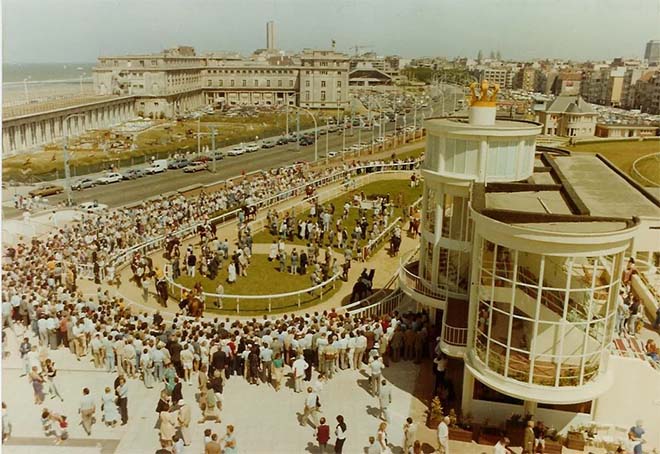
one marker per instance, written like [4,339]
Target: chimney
[270,35]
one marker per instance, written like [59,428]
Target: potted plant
[458,431]
[553,442]
[434,413]
[575,439]
[515,428]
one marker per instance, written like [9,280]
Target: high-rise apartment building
[652,52]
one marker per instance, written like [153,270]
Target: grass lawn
[622,154]
[263,278]
[166,138]
[392,187]
[650,168]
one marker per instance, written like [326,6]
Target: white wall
[634,395]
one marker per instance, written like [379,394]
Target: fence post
[238,306]
[269,304]
[299,300]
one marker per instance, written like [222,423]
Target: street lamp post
[343,139]
[327,138]
[25,87]
[67,170]
[316,131]
[213,146]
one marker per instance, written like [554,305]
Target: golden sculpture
[485,98]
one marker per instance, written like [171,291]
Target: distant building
[569,116]
[501,76]
[567,84]
[652,52]
[604,86]
[647,92]
[605,130]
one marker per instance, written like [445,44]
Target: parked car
[108,178]
[198,159]
[132,174]
[332,154]
[268,144]
[282,141]
[237,150]
[92,207]
[46,190]
[158,166]
[218,155]
[196,167]
[178,163]
[304,141]
[252,147]
[83,183]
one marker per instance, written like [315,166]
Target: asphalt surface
[133,191]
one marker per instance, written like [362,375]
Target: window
[322,95]
[220,83]
[209,82]
[291,83]
[244,83]
[306,83]
[306,96]
[322,83]
[256,83]
[232,82]
[339,84]
[279,83]
[268,83]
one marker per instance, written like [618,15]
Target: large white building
[520,258]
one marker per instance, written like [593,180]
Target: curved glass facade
[544,319]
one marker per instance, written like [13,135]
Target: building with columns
[522,250]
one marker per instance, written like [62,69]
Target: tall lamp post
[25,87]
[316,131]
[67,170]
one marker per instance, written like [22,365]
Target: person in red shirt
[322,435]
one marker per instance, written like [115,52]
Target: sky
[42,31]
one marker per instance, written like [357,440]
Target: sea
[35,82]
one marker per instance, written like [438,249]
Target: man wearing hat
[184,421]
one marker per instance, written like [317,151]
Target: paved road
[128,192]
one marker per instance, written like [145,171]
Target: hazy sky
[81,30]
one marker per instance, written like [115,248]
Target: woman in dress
[277,366]
[254,362]
[381,438]
[231,276]
[147,365]
[110,410]
[230,441]
[167,427]
[163,405]
[37,385]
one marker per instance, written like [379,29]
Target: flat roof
[575,227]
[550,202]
[603,191]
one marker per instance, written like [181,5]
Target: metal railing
[452,335]
[267,300]
[384,306]
[420,285]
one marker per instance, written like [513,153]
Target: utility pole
[213,146]
[287,117]
[67,172]
[298,130]
[199,135]
[343,139]
[327,137]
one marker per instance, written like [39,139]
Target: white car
[111,177]
[236,151]
[354,147]
[380,140]
[154,169]
[252,147]
[92,207]
[332,154]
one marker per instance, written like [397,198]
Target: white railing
[452,335]
[384,306]
[374,244]
[419,284]
[218,300]
[374,297]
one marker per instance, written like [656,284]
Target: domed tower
[459,152]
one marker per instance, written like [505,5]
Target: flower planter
[553,447]
[575,440]
[458,434]
[515,431]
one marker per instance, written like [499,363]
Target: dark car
[304,141]
[282,141]
[268,144]
[132,174]
[83,183]
[178,164]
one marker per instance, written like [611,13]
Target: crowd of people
[311,348]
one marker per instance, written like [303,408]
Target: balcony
[419,289]
[454,327]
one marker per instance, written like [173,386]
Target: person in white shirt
[502,446]
[375,368]
[299,367]
[409,434]
[311,408]
[443,435]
